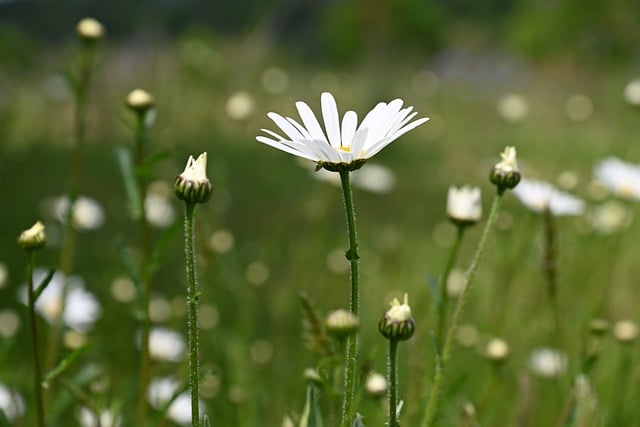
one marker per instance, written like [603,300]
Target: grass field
[272,230]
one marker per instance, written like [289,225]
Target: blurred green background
[216,69]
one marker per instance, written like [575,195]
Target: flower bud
[312,376]
[505,175]
[376,384]
[497,350]
[192,185]
[341,323]
[625,331]
[140,101]
[90,30]
[464,205]
[397,323]
[33,238]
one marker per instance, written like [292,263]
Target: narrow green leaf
[151,161]
[130,183]
[206,422]
[63,365]
[311,416]
[357,421]
[43,285]
[124,252]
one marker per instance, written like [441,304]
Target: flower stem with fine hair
[392,370]
[351,352]
[442,361]
[193,295]
[37,372]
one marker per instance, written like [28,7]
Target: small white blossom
[88,214]
[513,108]
[548,362]
[540,196]
[340,144]
[464,204]
[632,92]
[165,344]
[619,177]
[11,403]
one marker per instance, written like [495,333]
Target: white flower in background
[161,390]
[548,362]
[619,177]
[11,403]
[88,214]
[340,145]
[86,418]
[625,331]
[513,108]
[609,217]
[374,178]
[240,105]
[464,205]
[81,308]
[4,275]
[539,196]
[376,384]
[165,344]
[90,30]
[157,205]
[632,92]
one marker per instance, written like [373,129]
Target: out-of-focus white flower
[90,29]
[376,384]
[240,105]
[81,308]
[513,107]
[340,144]
[86,418]
[374,178]
[609,217]
[540,196]
[548,362]
[274,80]
[619,177]
[455,282]
[632,92]
[11,403]
[4,274]
[161,390]
[497,350]
[9,323]
[88,214]
[625,331]
[579,107]
[464,205]
[165,344]
[157,205]
[222,241]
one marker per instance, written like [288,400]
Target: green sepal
[311,416]
[130,183]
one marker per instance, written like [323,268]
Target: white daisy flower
[11,403]
[165,344]
[81,308]
[88,213]
[464,205]
[548,362]
[340,145]
[619,177]
[539,196]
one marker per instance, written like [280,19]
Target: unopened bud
[33,238]
[625,331]
[311,375]
[505,175]
[192,185]
[497,350]
[397,323]
[140,101]
[90,30]
[341,323]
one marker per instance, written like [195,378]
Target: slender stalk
[441,364]
[442,287]
[351,353]
[392,373]
[550,271]
[145,273]
[67,251]
[193,295]
[37,373]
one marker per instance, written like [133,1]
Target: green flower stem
[37,373]
[145,270]
[351,353]
[442,361]
[68,249]
[193,295]
[550,271]
[442,287]
[392,373]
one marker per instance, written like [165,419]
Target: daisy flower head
[464,205]
[619,177]
[340,145]
[539,196]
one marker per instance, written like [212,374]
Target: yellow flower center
[626,191]
[346,149]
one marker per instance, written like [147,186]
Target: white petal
[378,146]
[300,128]
[331,118]
[282,147]
[323,151]
[409,127]
[349,124]
[379,128]
[291,131]
[310,121]
[357,144]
